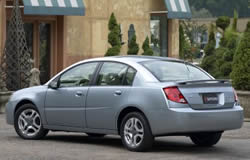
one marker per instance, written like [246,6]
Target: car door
[65,105]
[110,92]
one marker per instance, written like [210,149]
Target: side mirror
[55,84]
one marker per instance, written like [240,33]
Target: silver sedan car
[136,97]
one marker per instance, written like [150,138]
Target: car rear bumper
[187,120]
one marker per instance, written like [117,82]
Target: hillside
[217,8]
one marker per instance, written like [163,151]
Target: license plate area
[210,98]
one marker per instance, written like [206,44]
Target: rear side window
[112,74]
[128,81]
[115,74]
[174,71]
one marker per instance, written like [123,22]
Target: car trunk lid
[207,94]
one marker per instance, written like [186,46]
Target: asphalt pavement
[234,145]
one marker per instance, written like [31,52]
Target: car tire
[135,132]
[95,135]
[28,123]
[206,139]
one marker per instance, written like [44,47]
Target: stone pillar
[173,38]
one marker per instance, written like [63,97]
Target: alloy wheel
[133,132]
[29,122]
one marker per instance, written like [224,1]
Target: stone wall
[244,98]
[87,36]
[4,97]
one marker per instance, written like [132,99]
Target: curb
[247,119]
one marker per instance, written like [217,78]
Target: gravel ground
[70,146]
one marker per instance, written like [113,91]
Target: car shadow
[109,141]
[173,146]
[160,145]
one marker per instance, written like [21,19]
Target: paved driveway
[70,146]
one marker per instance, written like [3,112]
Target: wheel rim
[133,132]
[29,122]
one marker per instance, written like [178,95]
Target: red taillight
[173,94]
[235,96]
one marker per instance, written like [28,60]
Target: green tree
[241,63]
[223,22]
[113,37]
[133,47]
[146,48]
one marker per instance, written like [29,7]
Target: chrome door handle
[79,94]
[118,93]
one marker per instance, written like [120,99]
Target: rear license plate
[210,98]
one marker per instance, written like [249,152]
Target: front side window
[78,76]
[112,74]
[174,71]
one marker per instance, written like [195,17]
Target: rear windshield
[174,71]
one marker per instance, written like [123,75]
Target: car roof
[130,60]
[135,58]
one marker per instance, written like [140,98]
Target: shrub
[227,49]
[226,69]
[113,51]
[146,48]
[113,37]
[133,47]
[224,58]
[210,47]
[112,22]
[208,62]
[241,63]
[182,41]
[223,22]
[235,20]
[219,61]
[184,46]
